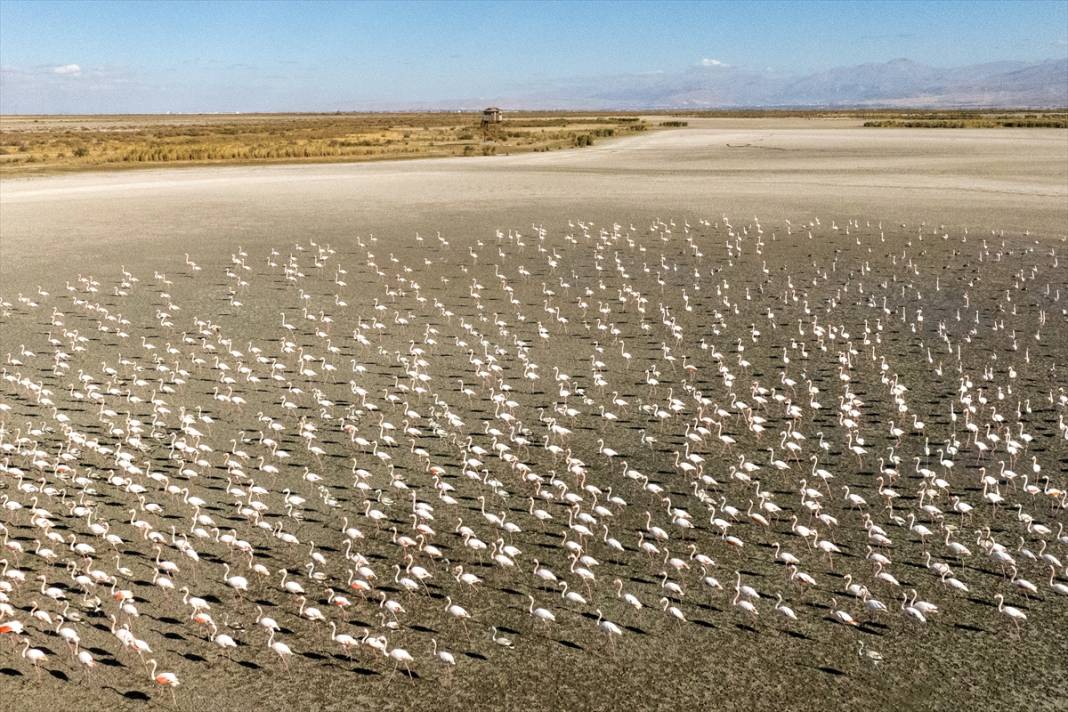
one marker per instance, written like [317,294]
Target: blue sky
[83,57]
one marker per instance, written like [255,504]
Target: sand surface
[985,179]
[816,247]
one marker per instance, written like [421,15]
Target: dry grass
[936,118]
[973,120]
[52,144]
[48,144]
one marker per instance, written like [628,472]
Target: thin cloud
[86,89]
[713,63]
[887,37]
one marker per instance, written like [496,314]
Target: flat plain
[579,354]
[43,145]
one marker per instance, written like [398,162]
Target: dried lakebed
[735,440]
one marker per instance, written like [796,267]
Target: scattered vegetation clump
[1031,121]
[674,124]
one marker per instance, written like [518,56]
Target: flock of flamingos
[408,456]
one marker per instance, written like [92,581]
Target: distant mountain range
[899,83]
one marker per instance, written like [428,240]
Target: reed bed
[55,144]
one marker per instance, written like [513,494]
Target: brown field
[43,145]
[974,118]
[50,144]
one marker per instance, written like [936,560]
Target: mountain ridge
[898,83]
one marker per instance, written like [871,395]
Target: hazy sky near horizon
[120,57]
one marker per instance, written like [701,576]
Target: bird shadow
[364,671]
[422,628]
[970,628]
[796,634]
[831,670]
